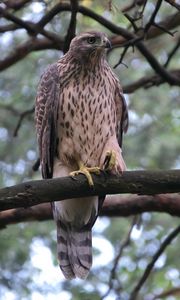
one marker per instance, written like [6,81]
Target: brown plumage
[80,118]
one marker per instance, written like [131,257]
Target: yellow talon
[110,160]
[86,171]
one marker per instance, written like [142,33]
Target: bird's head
[90,44]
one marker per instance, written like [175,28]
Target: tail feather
[74,251]
[63,255]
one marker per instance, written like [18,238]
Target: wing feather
[46,115]
[122,114]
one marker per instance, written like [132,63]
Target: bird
[80,117]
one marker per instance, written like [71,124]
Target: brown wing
[122,114]
[46,114]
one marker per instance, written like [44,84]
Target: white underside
[77,210]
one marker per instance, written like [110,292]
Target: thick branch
[16,5]
[170,22]
[72,25]
[17,21]
[171,79]
[135,182]
[23,50]
[156,66]
[114,206]
[31,28]
[146,82]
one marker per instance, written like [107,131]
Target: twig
[132,21]
[153,23]
[22,116]
[164,29]
[123,245]
[143,8]
[150,266]
[10,108]
[171,54]
[153,16]
[134,4]
[121,58]
[169,23]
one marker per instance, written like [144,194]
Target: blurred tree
[145,55]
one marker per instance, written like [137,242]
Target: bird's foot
[110,160]
[87,172]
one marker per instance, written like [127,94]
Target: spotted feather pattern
[80,114]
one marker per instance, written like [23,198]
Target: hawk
[80,116]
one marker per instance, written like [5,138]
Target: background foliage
[28,266]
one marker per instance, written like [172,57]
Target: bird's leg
[86,171]
[110,160]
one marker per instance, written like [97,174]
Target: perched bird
[80,116]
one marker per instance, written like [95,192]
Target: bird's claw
[110,160]
[87,172]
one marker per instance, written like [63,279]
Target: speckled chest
[87,113]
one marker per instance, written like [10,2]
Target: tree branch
[9,27]
[136,182]
[172,53]
[21,118]
[153,16]
[125,243]
[158,68]
[17,21]
[16,5]
[114,206]
[146,82]
[170,22]
[173,3]
[33,44]
[150,266]
[171,292]
[72,25]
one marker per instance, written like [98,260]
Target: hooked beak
[107,43]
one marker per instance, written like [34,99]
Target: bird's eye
[91,40]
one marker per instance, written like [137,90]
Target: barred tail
[74,251]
